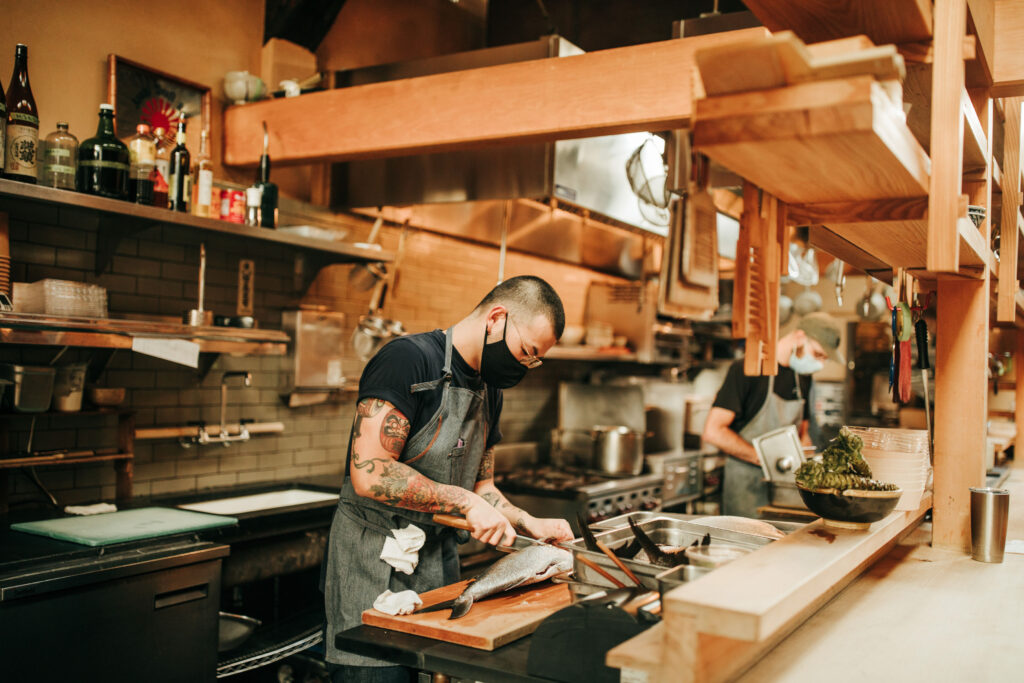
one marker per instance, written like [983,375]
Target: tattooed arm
[379,433]
[522,521]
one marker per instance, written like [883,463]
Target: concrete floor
[919,614]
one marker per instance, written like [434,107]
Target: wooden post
[1006,308]
[961,406]
[1018,412]
[947,134]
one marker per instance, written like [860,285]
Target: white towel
[96,509]
[405,602]
[402,551]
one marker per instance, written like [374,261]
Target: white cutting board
[125,525]
[260,501]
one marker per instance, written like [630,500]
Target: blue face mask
[804,365]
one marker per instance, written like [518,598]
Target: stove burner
[549,479]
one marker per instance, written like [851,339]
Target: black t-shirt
[746,395]
[420,358]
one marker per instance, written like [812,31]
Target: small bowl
[850,509]
[711,556]
[105,396]
[572,335]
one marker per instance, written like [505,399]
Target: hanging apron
[743,488]
[448,450]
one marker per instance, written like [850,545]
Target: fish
[532,564]
[664,558]
[626,551]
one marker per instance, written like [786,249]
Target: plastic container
[712,556]
[68,386]
[31,387]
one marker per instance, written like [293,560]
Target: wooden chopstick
[590,563]
[618,563]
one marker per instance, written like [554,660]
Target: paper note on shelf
[1015,546]
[179,351]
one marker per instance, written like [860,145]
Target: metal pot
[617,450]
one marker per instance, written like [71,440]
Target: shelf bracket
[206,363]
[113,229]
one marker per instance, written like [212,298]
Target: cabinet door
[157,627]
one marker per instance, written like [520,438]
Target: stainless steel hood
[570,200]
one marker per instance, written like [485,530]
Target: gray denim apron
[448,450]
[743,488]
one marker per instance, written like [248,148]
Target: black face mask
[498,366]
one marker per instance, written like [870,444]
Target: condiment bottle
[179,186]
[142,148]
[59,155]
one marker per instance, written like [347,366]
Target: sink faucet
[243,434]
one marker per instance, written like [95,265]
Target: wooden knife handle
[453,521]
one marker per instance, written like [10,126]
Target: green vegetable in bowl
[842,467]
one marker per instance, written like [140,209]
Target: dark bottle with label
[268,190]
[22,129]
[179,185]
[103,161]
[3,128]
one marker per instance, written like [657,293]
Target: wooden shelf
[823,141]
[883,21]
[975,143]
[150,215]
[42,330]
[61,459]
[589,353]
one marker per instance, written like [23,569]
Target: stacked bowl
[898,456]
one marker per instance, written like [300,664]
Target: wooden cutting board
[491,623]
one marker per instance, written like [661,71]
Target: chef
[422,443]
[748,407]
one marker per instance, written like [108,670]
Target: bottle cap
[63,125]
[253,196]
[106,107]
[142,128]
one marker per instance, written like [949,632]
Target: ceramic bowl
[105,396]
[572,335]
[850,509]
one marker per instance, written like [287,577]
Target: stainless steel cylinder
[989,511]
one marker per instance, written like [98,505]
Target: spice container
[31,388]
[68,385]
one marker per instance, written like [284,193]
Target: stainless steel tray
[641,517]
[663,531]
[677,576]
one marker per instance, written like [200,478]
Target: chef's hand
[489,525]
[548,528]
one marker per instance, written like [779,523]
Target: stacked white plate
[898,456]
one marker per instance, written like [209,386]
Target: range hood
[569,200]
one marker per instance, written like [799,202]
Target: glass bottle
[59,156]
[3,127]
[268,190]
[22,134]
[103,160]
[179,185]
[162,168]
[142,151]
[204,179]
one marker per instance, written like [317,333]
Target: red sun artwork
[159,113]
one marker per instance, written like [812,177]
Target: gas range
[560,492]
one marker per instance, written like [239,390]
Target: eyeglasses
[528,359]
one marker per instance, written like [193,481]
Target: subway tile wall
[154,272]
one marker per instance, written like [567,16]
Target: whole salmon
[529,565]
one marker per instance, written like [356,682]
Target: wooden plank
[599,93]
[826,240]
[815,142]
[1018,415]
[490,623]
[947,124]
[981,22]
[961,394]
[1008,59]
[975,143]
[151,433]
[866,211]
[1006,309]
[883,21]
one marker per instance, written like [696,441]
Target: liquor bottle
[179,185]
[204,179]
[162,169]
[22,134]
[142,149]
[268,190]
[3,127]
[59,158]
[103,160]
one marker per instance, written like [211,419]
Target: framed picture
[144,95]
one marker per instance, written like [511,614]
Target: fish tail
[461,607]
[588,535]
[649,546]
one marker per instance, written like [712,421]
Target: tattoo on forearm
[520,525]
[400,485]
[394,432]
[486,466]
[368,407]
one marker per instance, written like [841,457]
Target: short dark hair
[529,294]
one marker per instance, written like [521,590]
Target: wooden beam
[883,21]
[981,22]
[639,88]
[1006,308]
[1008,58]
[867,211]
[961,401]
[826,240]
[947,132]
[1018,416]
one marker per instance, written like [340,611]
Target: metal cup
[989,511]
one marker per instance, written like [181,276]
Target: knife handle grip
[453,521]
[921,332]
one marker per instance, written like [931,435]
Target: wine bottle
[268,190]
[179,186]
[162,169]
[204,179]
[142,148]
[103,160]
[22,134]
[3,128]
[58,155]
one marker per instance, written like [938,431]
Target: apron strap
[446,377]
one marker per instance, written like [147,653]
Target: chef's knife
[457,522]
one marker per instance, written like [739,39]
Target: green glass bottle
[103,161]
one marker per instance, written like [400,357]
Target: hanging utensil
[363,277]
[921,332]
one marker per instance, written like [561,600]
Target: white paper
[179,351]
[1014,546]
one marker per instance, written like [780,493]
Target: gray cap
[824,329]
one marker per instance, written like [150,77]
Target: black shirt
[746,395]
[420,358]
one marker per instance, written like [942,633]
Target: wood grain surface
[491,623]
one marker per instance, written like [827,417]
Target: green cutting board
[126,525]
